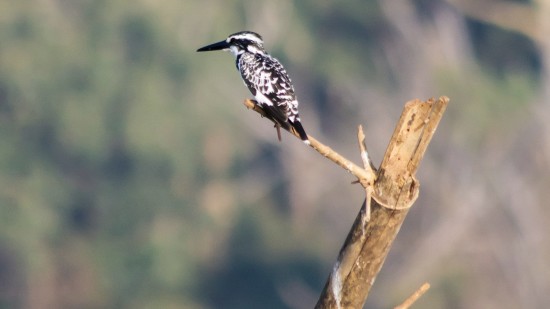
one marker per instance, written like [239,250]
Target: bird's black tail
[297,125]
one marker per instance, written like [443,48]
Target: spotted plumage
[265,77]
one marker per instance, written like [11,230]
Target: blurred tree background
[131,175]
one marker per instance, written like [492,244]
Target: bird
[265,77]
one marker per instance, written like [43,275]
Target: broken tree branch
[394,189]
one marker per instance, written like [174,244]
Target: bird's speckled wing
[268,81]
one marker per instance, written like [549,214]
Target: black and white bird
[266,79]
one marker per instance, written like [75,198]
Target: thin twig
[364,176]
[368,166]
[414,297]
[367,162]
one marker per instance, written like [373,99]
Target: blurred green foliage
[125,171]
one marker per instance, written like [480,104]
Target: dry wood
[394,189]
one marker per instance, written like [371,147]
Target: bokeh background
[132,176]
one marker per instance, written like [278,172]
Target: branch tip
[414,297]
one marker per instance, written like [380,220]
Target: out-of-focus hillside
[131,175]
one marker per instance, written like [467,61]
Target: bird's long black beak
[215,46]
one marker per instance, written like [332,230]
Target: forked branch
[394,189]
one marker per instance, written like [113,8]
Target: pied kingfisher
[266,79]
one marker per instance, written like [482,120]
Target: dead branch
[394,189]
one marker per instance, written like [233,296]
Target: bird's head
[238,43]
